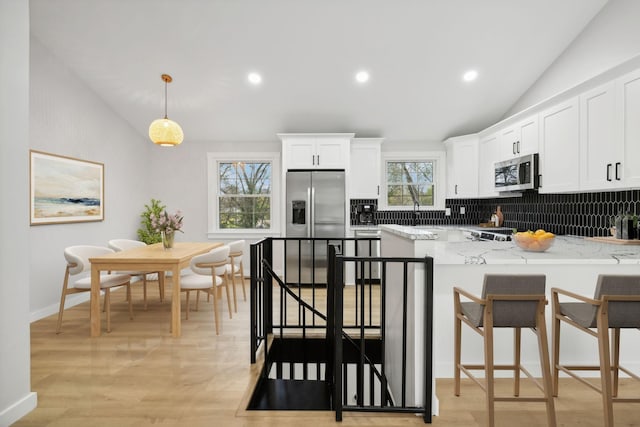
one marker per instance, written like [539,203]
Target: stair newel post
[334,327]
[428,339]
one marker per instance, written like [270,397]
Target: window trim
[439,190]
[213,161]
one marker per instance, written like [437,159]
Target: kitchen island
[572,263]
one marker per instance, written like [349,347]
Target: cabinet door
[462,167]
[519,139]
[331,154]
[527,143]
[300,154]
[628,99]
[489,152]
[559,148]
[508,143]
[364,173]
[599,147]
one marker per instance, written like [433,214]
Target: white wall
[67,118]
[611,38]
[179,177]
[16,398]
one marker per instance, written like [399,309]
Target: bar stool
[508,301]
[615,305]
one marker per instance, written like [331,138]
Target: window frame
[213,164]
[439,184]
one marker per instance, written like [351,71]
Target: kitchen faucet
[416,213]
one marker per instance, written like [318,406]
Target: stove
[486,235]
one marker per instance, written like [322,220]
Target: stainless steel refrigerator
[315,209]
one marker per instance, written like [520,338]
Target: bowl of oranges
[534,241]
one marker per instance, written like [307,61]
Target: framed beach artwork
[64,189]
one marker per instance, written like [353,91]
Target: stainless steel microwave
[517,174]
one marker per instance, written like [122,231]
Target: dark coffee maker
[365,214]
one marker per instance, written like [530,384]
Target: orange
[534,246]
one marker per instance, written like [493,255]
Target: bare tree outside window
[409,182]
[244,195]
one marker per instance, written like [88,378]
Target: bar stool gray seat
[615,306]
[507,301]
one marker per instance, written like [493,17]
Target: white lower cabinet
[560,148]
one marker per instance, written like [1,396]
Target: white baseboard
[19,409]
[69,302]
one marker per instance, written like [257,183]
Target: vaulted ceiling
[308,52]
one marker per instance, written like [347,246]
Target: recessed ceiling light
[254,78]
[362,76]
[470,76]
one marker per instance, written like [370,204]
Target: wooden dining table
[149,258]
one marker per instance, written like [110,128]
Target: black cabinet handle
[540,181]
[318,157]
[456,189]
[378,190]
[609,172]
[618,171]
[513,148]
[518,146]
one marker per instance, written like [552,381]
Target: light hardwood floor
[138,375]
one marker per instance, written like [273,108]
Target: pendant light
[165,132]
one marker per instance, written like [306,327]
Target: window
[244,195]
[241,192]
[410,178]
[410,182]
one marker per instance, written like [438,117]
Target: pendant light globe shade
[165,132]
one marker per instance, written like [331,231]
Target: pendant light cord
[165,99]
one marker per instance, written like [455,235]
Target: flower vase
[167,238]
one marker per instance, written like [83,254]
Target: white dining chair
[78,262]
[235,269]
[210,275]
[124,244]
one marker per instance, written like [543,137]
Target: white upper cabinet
[600,149]
[462,166]
[519,139]
[628,126]
[316,151]
[364,173]
[559,148]
[610,135]
[489,152]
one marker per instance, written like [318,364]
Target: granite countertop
[425,232]
[565,250]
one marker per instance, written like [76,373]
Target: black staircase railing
[348,351]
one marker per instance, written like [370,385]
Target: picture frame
[65,189]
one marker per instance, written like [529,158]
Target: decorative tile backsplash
[580,214]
